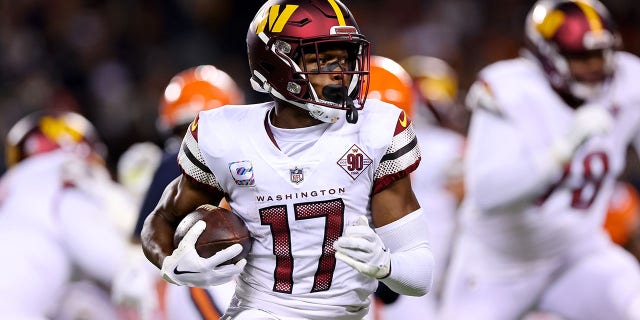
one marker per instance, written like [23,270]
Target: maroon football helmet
[44,131]
[556,29]
[285,30]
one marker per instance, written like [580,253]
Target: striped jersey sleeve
[192,162]
[402,156]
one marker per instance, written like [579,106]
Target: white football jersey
[295,208]
[514,123]
[49,227]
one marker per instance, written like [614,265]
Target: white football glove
[588,121]
[363,250]
[185,267]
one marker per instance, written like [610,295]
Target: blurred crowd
[110,60]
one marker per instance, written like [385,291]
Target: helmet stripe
[263,21]
[57,130]
[592,16]
[335,7]
[550,23]
[277,20]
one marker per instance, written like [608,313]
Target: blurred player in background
[321,180]
[443,121]
[57,226]
[438,181]
[190,91]
[437,87]
[548,138]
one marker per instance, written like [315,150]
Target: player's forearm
[500,168]
[411,257]
[157,238]
[517,183]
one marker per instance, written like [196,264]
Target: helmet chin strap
[337,94]
[352,113]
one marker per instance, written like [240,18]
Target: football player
[55,219]
[548,138]
[436,83]
[321,180]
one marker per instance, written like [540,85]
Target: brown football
[224,228]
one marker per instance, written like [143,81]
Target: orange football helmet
[45,131]
[193,90]
[389,82]
[623,214]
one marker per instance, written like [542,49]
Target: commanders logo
[274,18]
[354,161]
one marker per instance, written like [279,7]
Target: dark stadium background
[110,60]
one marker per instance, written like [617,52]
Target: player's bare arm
[393,203]
[181,197]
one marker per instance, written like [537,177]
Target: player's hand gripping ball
[224,228]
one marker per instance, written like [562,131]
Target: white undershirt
[294,141]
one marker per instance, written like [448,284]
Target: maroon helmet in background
[283,31]
[44,131]
[557,29]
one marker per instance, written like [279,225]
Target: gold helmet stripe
[592,16]
[335,7]
[58,130]
[276,19]
[263,22]
[550,23]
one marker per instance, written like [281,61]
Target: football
[224,228]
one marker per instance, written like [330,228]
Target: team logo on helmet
[274,18]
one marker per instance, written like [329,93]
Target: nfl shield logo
[296,175]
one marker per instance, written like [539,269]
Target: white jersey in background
[531,243]
[51,230]
[296,206]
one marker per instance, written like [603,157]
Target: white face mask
[324,114]
[586,92]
